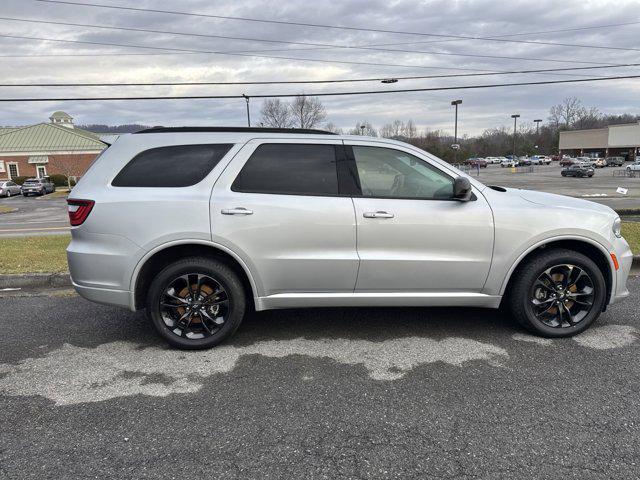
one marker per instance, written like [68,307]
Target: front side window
[174,166]
[389,173]
[290,169]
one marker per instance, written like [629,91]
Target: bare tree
[588,118]
[363,128]
[67,165]
[332,127]
[275,113]
[399,129]
[307,112]
[566,113]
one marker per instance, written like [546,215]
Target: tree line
[570,114]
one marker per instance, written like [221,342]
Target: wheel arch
[165,254]
[592,249]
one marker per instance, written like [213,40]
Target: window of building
[13,170]
[389,173]
[174,166]
[290,169]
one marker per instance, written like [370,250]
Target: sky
[37,61]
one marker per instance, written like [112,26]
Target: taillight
[78,210]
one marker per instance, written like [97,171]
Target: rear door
[280,207]
[412,235]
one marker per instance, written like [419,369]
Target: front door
[278,205]
[412,235]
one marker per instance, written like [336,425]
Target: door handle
[378,214]
[236,211]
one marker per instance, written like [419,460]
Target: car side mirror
[462,189]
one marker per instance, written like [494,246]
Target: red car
[567,162]
[481,162]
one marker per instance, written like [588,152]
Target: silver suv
[199,225]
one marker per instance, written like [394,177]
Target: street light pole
[537,122]
[455,103]
[246,98]
[515,119]
[362,127]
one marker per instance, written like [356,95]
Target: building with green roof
[50,148]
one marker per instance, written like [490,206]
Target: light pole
[362,127]
[246,98]
[515,120]
[455,103]
[537,122]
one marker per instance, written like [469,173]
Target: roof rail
[233,130]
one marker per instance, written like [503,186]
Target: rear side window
[174,166]
[290,169]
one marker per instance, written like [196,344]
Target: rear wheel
[558,293]
[196,303]
[8,193]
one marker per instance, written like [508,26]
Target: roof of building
[47,137]
[60,114]
[4,130]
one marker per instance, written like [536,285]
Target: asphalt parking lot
[600,188]
[34,216]
[88,391]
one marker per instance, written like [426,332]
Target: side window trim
[352,161]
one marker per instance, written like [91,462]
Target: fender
[544,241]
[185,241]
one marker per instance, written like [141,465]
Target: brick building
[50,148]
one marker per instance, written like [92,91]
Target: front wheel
[196,303]
[558,293]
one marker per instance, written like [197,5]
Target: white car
[8,188]
[635,166]
[201,224]
[540,160]
[509,162]
[493,160]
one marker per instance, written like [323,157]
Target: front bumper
[625,259]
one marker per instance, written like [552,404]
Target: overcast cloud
[480,109]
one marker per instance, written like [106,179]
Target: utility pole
[455,145]
[362,127]
[246,98]
[515,131]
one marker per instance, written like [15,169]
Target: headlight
[617,227]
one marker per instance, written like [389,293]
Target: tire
[221,275]
[8,193]
[523,289]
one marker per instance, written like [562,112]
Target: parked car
[635,166]
[567,161]
[509,162]
[587,161]
[37,186]
[8,188]
[615,161]
[555,158]
[540,160]
[578,170]
[493,160]
[476,162]
[268,218]
[524,161]
[599,162]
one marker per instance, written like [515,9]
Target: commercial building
[50,148]
[612,141]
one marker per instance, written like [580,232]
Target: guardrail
[626,173]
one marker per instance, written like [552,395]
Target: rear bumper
[120,298]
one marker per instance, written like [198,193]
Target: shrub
[19,180]
[60,180]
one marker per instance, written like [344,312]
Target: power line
[320,94]
[286,42]
[182,50]
[289,82]
[319,25]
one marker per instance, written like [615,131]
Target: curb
[48,280]
[35,280]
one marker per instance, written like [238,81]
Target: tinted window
[385,172]
[175,166]
[292,169]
